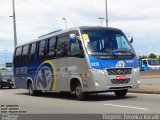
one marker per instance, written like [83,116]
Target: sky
[141,18]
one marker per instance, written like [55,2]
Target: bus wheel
[121,93]
[80,95]
[31,91]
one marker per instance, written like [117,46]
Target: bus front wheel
[121,93]
[80,95]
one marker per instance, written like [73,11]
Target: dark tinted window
[32,52]
[153,62]
[25,54]
[51,51]
[42,49]
[145,62]
[18,55]
[62,46]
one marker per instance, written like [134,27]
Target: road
[67,104]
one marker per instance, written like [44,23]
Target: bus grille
[119,71]
[115,81]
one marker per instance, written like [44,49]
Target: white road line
[126,106]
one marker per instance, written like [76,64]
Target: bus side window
[51,47]
[17,58]
[41,48]
[62,46]
[25,54]
[76,49]
[32,52]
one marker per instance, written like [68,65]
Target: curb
[144,91]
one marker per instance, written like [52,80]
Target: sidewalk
[149,88]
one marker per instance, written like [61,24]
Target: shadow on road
[89,98]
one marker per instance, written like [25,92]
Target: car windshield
[6,74]
[153,62]
[106,42]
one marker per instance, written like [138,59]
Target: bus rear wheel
[80,95]
[30,88]
[121,93]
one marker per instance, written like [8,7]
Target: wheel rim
[79,91]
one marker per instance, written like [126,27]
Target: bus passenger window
[32,52]
[42,49]
[25,54]
[17,59]
[62,46]
[52,43]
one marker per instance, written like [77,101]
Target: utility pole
[106,14]
[5,55]
[14,24]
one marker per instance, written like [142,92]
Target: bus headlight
[138,82]
[96,83]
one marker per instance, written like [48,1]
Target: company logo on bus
[45,77]
[120,64]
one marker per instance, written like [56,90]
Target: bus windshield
[106,42]
[153,62]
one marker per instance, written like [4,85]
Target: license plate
[121,77]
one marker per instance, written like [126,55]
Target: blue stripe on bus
[97,63]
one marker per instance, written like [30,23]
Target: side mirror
[130,38]
[73,38]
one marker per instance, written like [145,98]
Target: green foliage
[142,57]
[152,55]
[3,69]
[158,58]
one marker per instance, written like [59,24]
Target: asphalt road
[66,104]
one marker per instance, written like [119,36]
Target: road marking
[126,106]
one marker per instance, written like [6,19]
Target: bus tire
[121,93]
[31,91]
[80,95]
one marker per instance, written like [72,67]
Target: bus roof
[57,32]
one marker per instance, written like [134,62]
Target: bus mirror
[130,38]
[72,38]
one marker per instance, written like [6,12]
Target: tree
[142,57]
[152,55]
[158,58]
[3,69]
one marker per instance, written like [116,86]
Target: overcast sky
[141,18]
